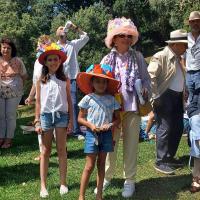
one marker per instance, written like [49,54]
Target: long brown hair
[59,73]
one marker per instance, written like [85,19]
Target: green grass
[19,173]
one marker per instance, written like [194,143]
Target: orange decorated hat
[52,49]
[97,70]
[120,26]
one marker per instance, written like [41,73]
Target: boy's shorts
[54,120]
[105,142]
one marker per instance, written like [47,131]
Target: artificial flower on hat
[120,26]
[43,41]
[52,49]
[97,70]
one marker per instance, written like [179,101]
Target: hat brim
[176,41]
[59,53]
[121,30]
[84,83]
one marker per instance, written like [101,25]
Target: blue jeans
[195,136]
[53,120]
[76,128]
[105,142]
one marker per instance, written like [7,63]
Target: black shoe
[175,163]
[164,168]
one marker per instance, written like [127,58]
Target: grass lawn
[19,173]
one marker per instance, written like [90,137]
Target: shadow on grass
[72,154]
[164,188]
[18,174]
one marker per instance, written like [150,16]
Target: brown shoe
[195,186]
[1,141]
[7,143]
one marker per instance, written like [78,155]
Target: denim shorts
[105,142]
[53,120]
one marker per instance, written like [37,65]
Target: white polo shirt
[193,53]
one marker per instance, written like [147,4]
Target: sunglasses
[123,36]
[52,59]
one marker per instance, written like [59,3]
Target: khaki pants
[196,168]
[130,128]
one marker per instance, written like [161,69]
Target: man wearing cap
[193,86]
[167,79]
[71,66]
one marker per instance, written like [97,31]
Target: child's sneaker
[44,193]
[63,190]
[105,185]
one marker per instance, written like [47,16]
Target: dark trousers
[169,117]
[76,127]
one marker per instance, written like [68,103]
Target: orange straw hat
[97,70]
[120,26]
[52,49]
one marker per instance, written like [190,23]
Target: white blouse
[53,96]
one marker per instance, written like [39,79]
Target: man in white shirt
[167,79]
[71,65]
[193,86]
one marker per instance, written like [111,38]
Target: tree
[92,20]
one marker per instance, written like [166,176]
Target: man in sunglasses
[71,65]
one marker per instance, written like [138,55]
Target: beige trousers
[130,128]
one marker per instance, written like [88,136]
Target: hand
[38,129]
[144,94]
[156,102]
[70,127]
[94,128]
[106,127]
[28,101]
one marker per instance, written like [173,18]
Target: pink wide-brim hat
[120,26]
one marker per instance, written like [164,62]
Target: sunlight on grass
[19,173]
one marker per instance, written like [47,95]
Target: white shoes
[63,190]
[44,193]
[105,185]
[129,189]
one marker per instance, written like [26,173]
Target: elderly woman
[128,66]
[12,75]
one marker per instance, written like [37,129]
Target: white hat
[178,36]
[194,15]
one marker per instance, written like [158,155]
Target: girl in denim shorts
[53,103]
[96,113]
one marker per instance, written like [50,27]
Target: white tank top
[53,96]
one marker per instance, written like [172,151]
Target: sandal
[195,186]
[1,141]
[7,144]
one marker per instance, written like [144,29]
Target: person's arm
[146,83]
[82,120]
[23,72]
[31,95]
[38,128]
[69,99]
[154,70]
[117,119]
[81,42]
[150,122]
